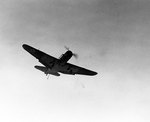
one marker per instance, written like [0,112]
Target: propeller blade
[75,55]
[67,48]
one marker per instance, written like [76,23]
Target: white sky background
[111,37]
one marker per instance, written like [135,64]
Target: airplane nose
[69,52]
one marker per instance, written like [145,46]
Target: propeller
[67,48]
[73,54]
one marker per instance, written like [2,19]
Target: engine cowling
[65,57]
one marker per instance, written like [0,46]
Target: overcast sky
[111,37]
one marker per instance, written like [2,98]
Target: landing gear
[47,74]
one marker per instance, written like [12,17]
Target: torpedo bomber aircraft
[56,66]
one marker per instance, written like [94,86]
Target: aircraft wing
[43,58]
[73,69]
[41,68]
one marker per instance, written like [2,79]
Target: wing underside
[73,69]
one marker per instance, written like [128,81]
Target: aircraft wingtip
[94,73]
[24,46]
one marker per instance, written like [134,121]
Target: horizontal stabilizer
[41,68]
[47,70]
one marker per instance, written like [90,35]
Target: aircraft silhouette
[55,66]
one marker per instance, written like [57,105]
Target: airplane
[55,66]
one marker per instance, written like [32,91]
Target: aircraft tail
[47,70]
